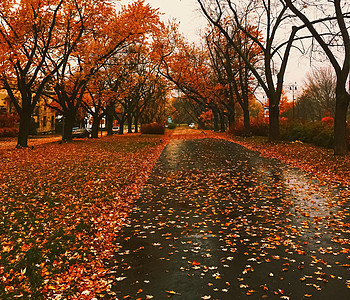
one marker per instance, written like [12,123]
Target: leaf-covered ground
[61,207]
[216,221]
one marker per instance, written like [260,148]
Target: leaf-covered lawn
[60,209]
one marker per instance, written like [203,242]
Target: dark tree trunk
[95,126]
[216,120]
[121,127]
[231,111]
[201,124]
[231,122]
[24,127]
[68,123]
[109,120]
[136,121]
[340,128]
[246,120]
[222,122]
[129,124]
[274,124]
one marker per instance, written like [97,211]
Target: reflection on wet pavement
[216,221]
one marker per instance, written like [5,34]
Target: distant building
[5,104]
[43,116]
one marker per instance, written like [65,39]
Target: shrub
[8,132]
[317,133]
[172,126]
[8,121]
[153,128]
[328,120]
[257,127]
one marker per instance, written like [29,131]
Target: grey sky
[184,11]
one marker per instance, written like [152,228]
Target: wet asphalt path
[217,221]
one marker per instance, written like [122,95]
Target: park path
[217,221]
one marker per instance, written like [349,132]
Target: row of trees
[246,49]
[80,54]
[86,54]
[283,25]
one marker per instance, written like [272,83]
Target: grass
[60,208]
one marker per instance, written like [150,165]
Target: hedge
[8,132]
[153,128]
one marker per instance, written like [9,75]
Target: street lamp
[293,88]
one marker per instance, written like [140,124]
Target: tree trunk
[136,121]
[68,123]
[216,120]
[129,124]
[109,120]
[246,121]
[274,124]
[24,127]
[222,122]
[231,122]
[121,126]
[231,109]
[95,126]
[340,128]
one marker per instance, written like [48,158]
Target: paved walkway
[219,222]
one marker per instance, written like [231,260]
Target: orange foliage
[284,103]
[328,120]
[207,117]
[58,226]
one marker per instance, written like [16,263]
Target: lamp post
[293,88]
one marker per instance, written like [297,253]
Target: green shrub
[317,133]
[153,128]
[172,126]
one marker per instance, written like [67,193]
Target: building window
[44,121]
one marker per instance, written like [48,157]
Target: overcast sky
[184,11]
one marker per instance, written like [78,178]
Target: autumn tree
[154,99]
[318,98]
[146,92]
[232,71]
[96,101]
[187,67]
[270,18]
[185,111]
[30,30]
[330,28]
[221,64]
[108,33]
